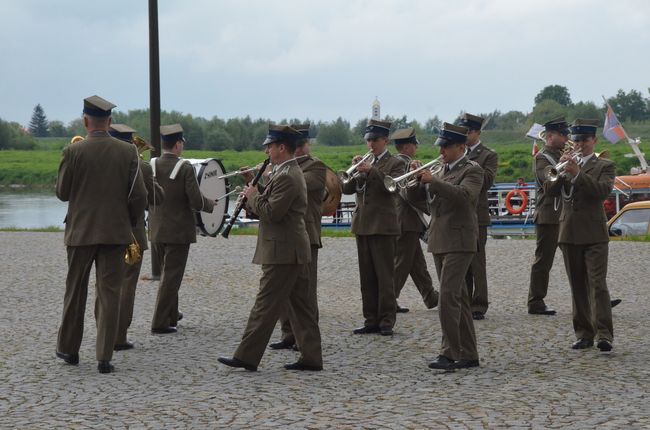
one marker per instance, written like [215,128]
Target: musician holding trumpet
[452,189]
[375,225]
[585,181]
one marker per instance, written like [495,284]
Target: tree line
[240,134]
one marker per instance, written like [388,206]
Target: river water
[31,209]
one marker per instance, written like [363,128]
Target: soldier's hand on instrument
[247,175]
[356,159]
[415,164]
[572,167]
[426,176]
[248,191]
[364,167]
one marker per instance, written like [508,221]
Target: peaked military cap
[450,134]
[472,122]
[171,133]
[376,129]
[558,124]
[582,129]
[121,131]
[303,129]
[282,133]
[404,135]
[97,106]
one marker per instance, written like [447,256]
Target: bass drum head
[207,175]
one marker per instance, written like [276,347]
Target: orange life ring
[524,201]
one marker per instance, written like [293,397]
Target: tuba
[141,144]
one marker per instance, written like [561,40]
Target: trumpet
[347,175]
[409,179]
[238,172]
[553,173]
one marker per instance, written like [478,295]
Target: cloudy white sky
[319,59]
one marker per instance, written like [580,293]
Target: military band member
[376,227]
[409,258]
[452,194]
[283,250]
[547,215]
[173,225]
[314,171]
[583,237]
[476,278]
[155,196]
[101,180]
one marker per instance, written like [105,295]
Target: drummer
[172,224]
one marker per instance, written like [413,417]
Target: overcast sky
[290,58]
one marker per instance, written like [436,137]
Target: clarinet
[241,201]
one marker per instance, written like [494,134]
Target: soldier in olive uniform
[155,196]
[547,215]
[583,238]
[375,225]
[409,258]
[314,171]
[101,180]
[452,194]
[283,250]
[173,224]
[476,278]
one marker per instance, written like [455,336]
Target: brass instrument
[347,175]
[141,144]
[76,139]
[553,173]
[408,180]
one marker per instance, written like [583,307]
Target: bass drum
[207,175]
[333,192]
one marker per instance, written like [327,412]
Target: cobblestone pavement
[529,376]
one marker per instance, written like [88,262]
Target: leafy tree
[431,124]
[557,93]
[38,125]
[547,110]
[76,128]
[512,120]
[631,106]
[217,139]
[14,136]
[587,110]
[335,133]
[57,129]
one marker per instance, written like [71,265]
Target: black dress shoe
[582,344]
[105,367]
[386,331]
[68,358]
[478,315]
[283,344]
[301,366]
[123,346]
[442,363]
[365,330]
[180,316]
[465,364]
[544,311]
[401,310]
[604,345]
[164,330]
[615,302]
[235,362]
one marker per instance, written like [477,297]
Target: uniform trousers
[476,278]
[376,255]
[127,300]
[155,262]
[546,236]
[281,284]
[586,267]
[287,334]
[109,269]
[173,260]
[456,324]
[409,260]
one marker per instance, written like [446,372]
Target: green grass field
[38,168]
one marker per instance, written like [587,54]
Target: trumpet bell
[390,184]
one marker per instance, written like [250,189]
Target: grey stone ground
[529,376]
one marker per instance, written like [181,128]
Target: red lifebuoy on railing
[524,201]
